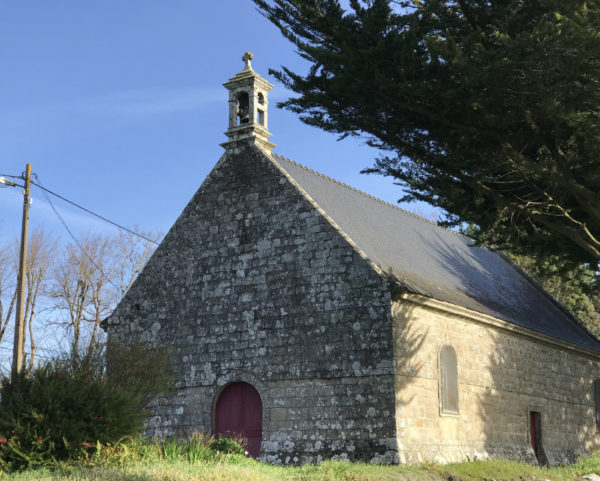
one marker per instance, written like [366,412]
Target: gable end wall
[253,284]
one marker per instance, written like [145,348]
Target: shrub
[141,371]
[59,413]
[55,414]
[227,446]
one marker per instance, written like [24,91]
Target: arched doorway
[239,413]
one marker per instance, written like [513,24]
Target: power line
[37,353]
[74,238]
[38,184]
[12,176]
[39,348]
[90,212]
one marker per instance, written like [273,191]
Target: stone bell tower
[248,109]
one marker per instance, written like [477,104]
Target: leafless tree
[73,288]
[88,281]
[8,294]
[41,255]
[131,253]
[80,291]
[41,252]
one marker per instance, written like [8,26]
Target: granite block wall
[252,283]
[504,374]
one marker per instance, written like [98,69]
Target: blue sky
[119,106]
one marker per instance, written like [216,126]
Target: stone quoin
[323,323]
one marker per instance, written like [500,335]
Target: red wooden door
[239,413]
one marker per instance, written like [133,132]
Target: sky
[119,106]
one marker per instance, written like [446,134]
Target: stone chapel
[319,322]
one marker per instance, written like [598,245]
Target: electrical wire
[74,238]
[46,192]
[27,352]
[38,348]
[38,184]
[11,176]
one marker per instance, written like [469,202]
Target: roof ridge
[331,179]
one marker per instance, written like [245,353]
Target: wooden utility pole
[19,343]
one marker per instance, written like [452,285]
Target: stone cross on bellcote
[248,109]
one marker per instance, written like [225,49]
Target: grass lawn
[237,468]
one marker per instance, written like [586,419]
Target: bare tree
[40,256]
[88,281]
[74,289]
[8,293]
[80,291]
[131,253]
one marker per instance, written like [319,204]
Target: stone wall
[252,283]
[504,373]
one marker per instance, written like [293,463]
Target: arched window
[260,112]
[448,380]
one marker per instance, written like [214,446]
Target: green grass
[507,470]
[192,460]
[229,471]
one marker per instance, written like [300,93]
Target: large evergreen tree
[487,109]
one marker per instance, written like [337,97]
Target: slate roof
[436,262]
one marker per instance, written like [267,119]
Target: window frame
[445,383]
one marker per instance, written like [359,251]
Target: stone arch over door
[238,412]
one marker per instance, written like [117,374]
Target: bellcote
[248,108]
